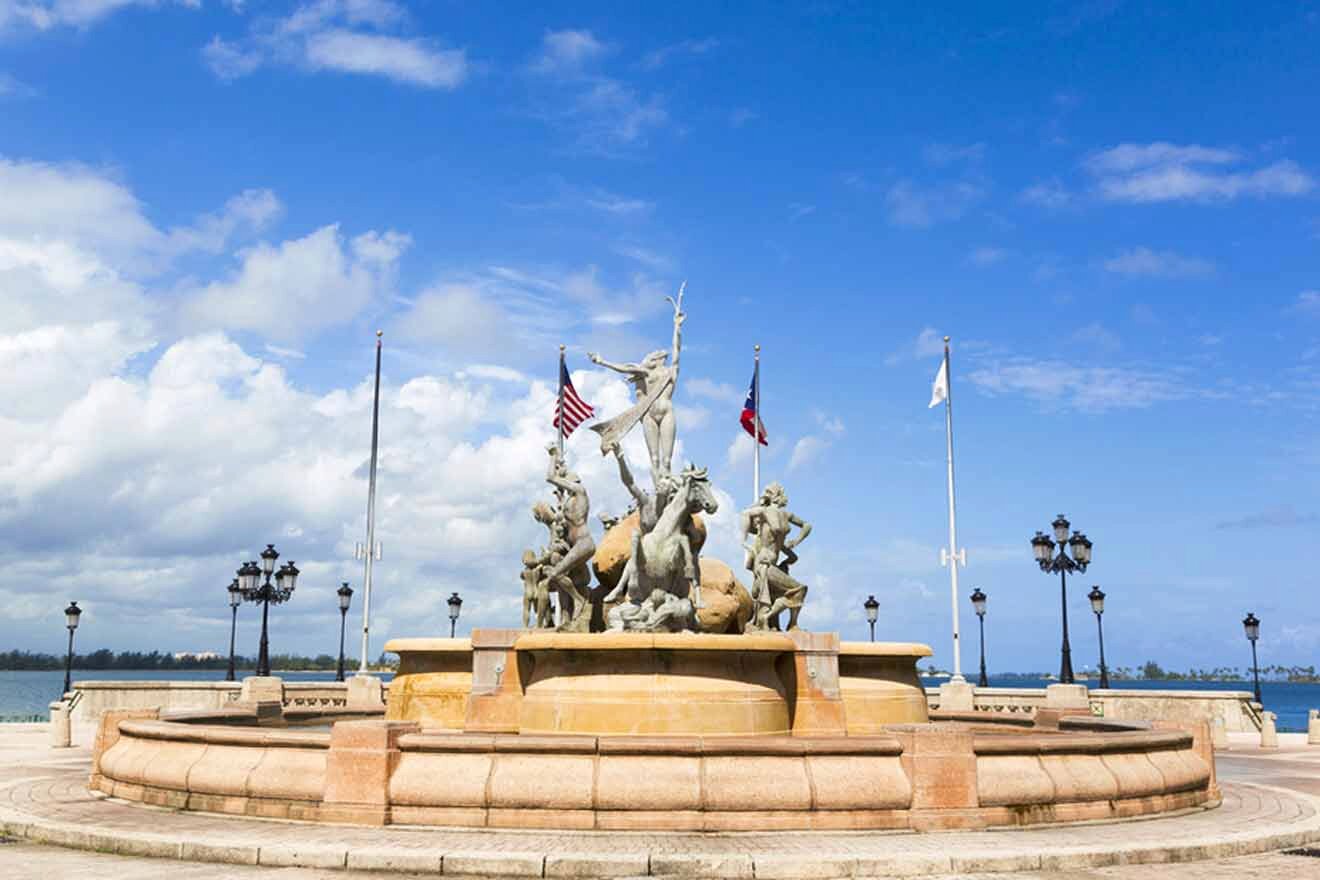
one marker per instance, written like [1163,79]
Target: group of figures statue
[659,589]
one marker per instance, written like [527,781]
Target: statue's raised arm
[654,378]
[633,370]
[679,317]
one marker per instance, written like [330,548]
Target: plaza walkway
[1271,803]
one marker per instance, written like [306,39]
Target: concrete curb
[477,862]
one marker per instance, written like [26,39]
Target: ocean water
[1289,700]
[27,694]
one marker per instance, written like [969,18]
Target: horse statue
[663,558]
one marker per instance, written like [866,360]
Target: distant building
[196,655]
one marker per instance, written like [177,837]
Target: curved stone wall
[879,684]
[433,682]
[934,776]
[681,684]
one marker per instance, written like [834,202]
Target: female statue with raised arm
[654,380]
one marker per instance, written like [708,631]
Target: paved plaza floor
[1271,803]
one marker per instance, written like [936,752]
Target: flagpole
[953,527]
[756,435]
[559,413]
[371,516]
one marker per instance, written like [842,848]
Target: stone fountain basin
[641,684]
[948,774]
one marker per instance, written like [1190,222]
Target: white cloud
[645,256]
[12,88]
[809,447]
[742,115]
[1162,172]
[619,206]
[290,291]
[566,52]
[929,343]
[719,391]
[348,36]
[603,113]
[410,61]
[1308,301]
[919,207]
[47,14]
[1087,389]
[1046,194]
[1144,262]
[454,315]
[657,58]
[987,256]
[1097,335]
[940,155]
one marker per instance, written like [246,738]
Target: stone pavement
[1271,801]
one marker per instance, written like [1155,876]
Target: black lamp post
[71,615]
[872,613]
[345,594]
[1043,549]
[235,599]
[1251,624]
[1097,597]
[255,590]
[455,605]
[978,603]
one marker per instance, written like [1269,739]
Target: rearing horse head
[696,488]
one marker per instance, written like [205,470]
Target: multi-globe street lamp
[345,594]
[1251,624]
[455,605]
[235,599]
[255,590]
[71,615]
[1042,547]
[872,613]
[1097,597]
[978,604]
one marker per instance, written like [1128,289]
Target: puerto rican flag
[749,418]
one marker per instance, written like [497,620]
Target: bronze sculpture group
[659,589]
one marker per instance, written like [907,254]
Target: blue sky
[207,208]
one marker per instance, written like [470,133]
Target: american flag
[573,410]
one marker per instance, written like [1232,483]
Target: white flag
[940,392]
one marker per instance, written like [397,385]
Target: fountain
[692,710]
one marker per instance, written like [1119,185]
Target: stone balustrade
[99,696]
[1235,709]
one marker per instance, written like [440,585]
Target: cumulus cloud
[292,290]
[810,446]
[1163,172]
[347,36]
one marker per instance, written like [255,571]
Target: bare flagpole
[955,556]
[371,516]
[559,413]
[756,436]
